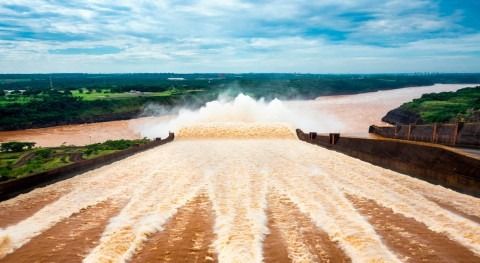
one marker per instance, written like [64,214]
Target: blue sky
[323,36]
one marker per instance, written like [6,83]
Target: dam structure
[230,192]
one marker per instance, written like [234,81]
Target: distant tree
[33,91]
[16,146]
[2,93]
[80,90]
[44,153]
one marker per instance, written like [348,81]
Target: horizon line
[242,73]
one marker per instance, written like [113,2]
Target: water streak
[239,173]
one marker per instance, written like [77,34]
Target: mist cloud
[241,109]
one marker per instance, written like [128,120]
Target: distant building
[176,78]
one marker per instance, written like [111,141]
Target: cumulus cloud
[206,35]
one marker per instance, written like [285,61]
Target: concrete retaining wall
[18,186]
[469,134]
[432,163]
[458,134]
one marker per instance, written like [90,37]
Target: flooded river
[347,114]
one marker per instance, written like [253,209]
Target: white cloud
[231,35]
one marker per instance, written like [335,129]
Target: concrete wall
[432,163]
[15,187]
[469,134]
[459,134]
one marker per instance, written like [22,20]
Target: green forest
[462,105]
[43,100]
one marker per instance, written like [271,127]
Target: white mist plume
[242,109]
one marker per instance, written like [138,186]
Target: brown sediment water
[108,182]
[187,237]
[12,213]
[236,131]
[297,238]
[410,239]
[462,204]
[445,205]
[81,134]
[69,240]
[260,189]
[274,245]
[369,181]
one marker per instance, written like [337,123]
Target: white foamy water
[238,174]
[372,182]
[156,200]
[317,195]
[298,250]
[239,201]
[245,110]
[85,190]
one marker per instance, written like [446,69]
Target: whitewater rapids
[244,171]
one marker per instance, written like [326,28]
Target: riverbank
[445,107]
[20,163]
[355,112]
[17,186]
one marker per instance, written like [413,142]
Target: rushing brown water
[204,198]
[249,191]
[355,112]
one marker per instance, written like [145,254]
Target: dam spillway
[216,194]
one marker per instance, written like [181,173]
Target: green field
[105,94]
[86,95]
[19,164]
[18,98]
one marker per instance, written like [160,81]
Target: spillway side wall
[459,134]
[18,186]
[427,162]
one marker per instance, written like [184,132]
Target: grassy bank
[462,105]
[21,163]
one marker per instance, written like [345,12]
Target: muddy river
[348,113]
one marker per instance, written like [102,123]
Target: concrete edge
[436,164]
[15,187]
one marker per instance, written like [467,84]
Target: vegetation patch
[462,105]
[45,100]
[16,162]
